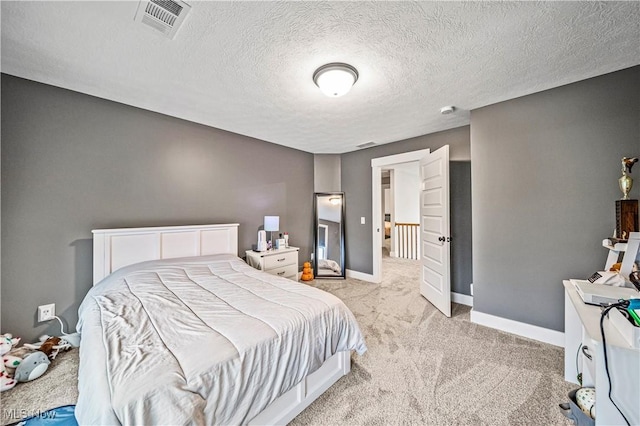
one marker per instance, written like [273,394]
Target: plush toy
[20,364]
[32,366]
[50,346]
[307,272]
[13,358]
[7,342]
[24,364]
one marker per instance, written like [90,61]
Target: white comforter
[205,340]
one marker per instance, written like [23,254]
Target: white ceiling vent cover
[366,144]
[165,16]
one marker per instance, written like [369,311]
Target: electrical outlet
[46,312]
[362,220]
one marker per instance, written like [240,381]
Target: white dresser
[281,262]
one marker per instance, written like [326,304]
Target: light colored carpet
[421,368]
[424,368]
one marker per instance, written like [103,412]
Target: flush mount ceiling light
[447,109]
[335,200]
[335,79]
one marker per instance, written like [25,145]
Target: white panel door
[435,283]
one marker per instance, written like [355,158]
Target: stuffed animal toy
[19,364]
[13,358]
[32,366]
[50,346]
[24,364]
[307,272]
[7,342]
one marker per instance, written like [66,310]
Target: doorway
[433,229]
[377,165]
[401,210]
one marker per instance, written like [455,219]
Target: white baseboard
[462,299]
[534,332]
[360,276]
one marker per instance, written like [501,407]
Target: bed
[327,267]
[177,329]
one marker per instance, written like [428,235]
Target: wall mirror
[329,235]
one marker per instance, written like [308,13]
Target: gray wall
[72,163]
[326,173]
[544,184]
[461,230]
[356,184]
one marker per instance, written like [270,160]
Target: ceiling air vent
[165,16]
[366,144]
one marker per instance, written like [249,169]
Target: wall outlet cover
[46,312]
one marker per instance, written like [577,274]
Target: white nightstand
[281,262]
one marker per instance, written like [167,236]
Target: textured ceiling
[247,67]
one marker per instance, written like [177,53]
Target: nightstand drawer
[280,260]
[288,271]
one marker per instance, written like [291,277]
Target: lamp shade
[271,223]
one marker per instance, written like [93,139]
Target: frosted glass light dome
[335,79]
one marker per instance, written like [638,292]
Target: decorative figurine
[626,182]
[307,272]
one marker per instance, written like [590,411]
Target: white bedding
[205,340]
[329,264]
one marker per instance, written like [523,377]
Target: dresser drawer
[282,263]
[281,259]
[288,271]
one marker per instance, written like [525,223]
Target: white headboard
[115,248]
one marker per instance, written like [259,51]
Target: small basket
[574,413]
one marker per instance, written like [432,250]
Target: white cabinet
[281,262]
[582,327]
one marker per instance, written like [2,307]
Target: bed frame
[116,248]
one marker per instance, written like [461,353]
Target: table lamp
[271,223]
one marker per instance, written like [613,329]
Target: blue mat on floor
[61,416]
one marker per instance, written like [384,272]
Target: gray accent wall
[72,163]
[326,173]
[356,184]
[545,171]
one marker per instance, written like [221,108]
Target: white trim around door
[377,164]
